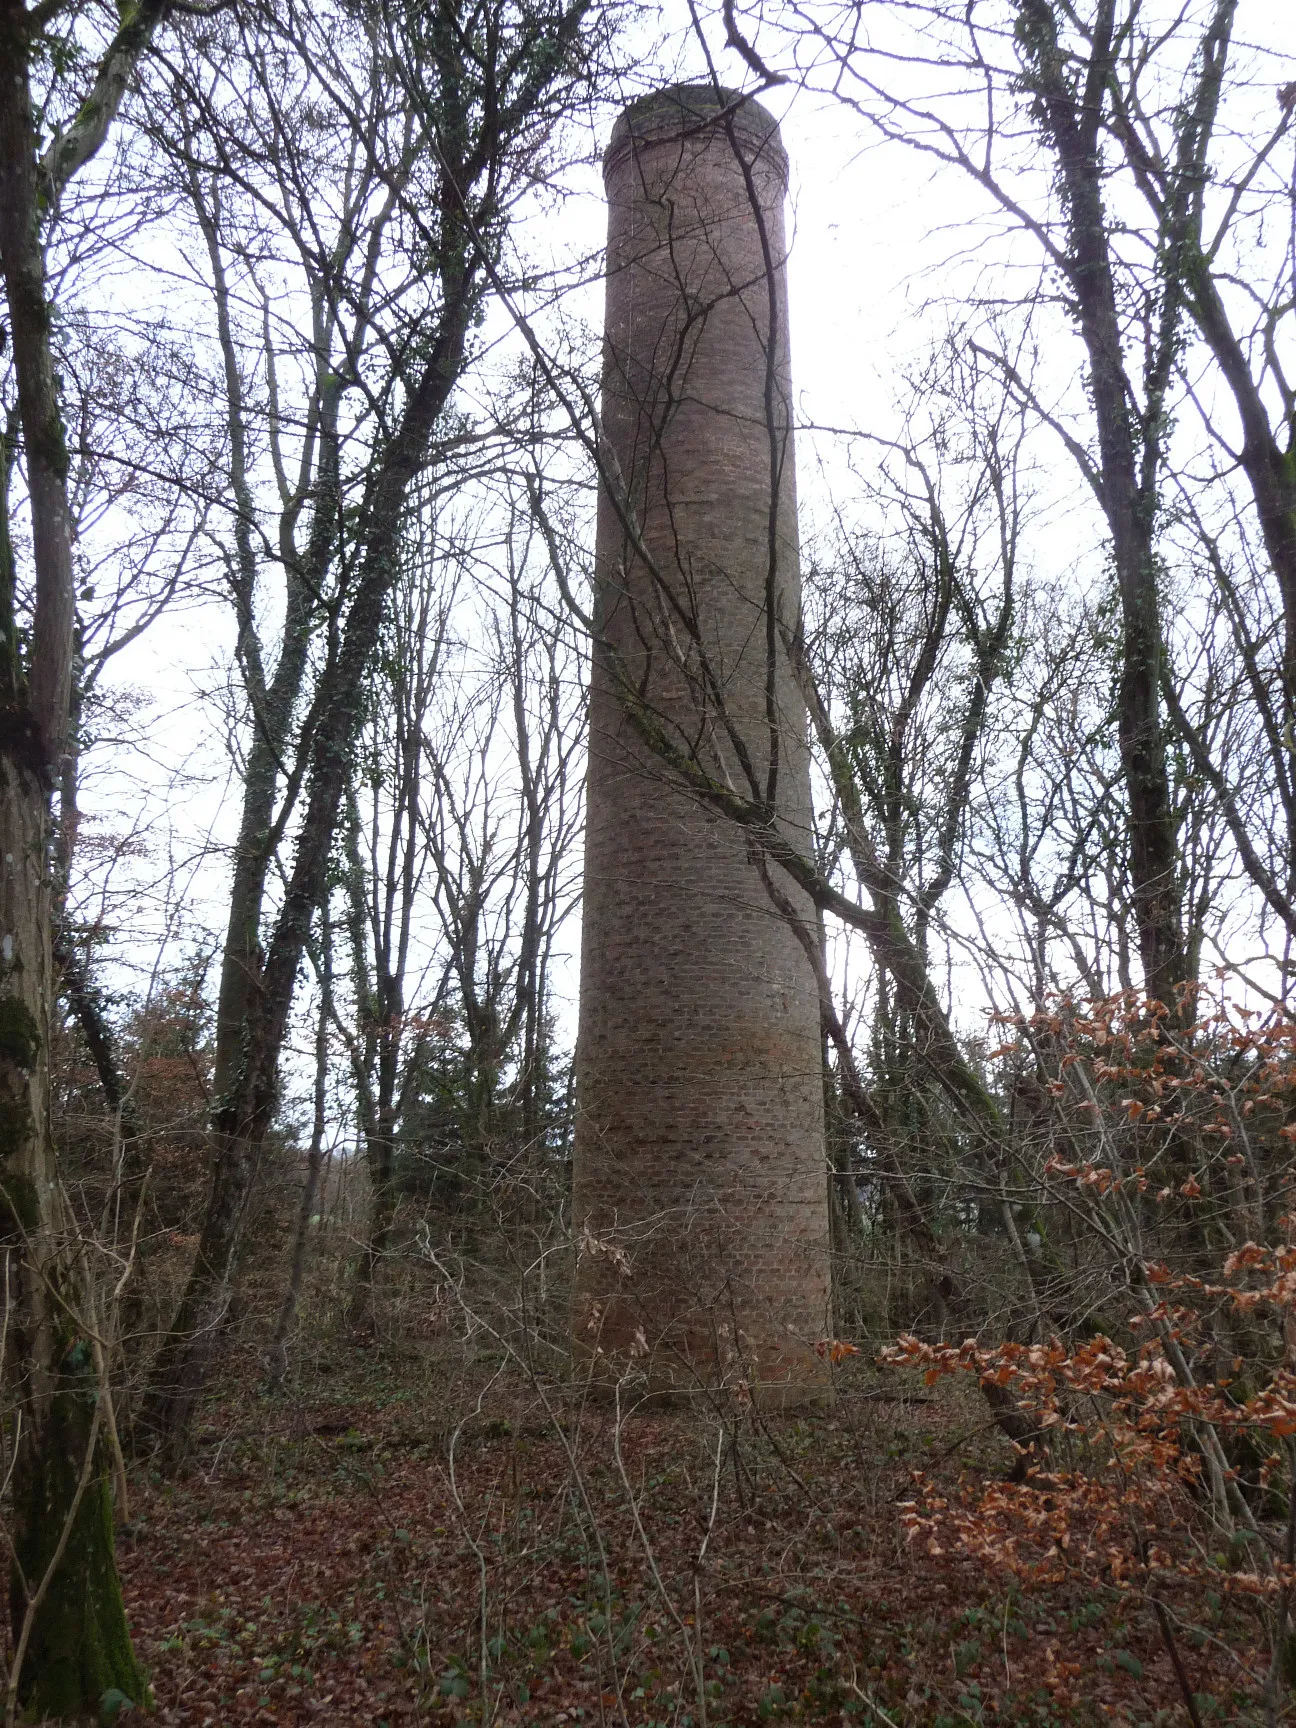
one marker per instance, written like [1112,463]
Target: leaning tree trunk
[493,106]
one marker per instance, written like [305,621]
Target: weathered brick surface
[699,1139]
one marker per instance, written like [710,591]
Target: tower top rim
[681,111]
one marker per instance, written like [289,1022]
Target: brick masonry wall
[699,1156]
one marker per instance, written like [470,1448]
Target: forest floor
[356,1553]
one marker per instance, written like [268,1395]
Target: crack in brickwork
[700,1177]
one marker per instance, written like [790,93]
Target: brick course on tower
[699,1187]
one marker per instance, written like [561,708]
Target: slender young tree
[316,1157]
[460,835]
[441,113]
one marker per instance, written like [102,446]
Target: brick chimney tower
[700,1186]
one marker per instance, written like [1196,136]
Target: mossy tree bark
[70,1636]
[69,1625]
[1068,106]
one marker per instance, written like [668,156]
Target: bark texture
[1069,107]
[68,1622]
[71,1641]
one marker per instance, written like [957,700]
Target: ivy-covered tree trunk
[69,1626]
[71,1646]
[488,83]
[1068,103]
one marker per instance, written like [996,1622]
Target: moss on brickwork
[80,1646]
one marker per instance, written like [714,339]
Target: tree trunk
[380,1155]
[71,1643]
[1068,109]
[363,925]
[69,1625]
[278,1365]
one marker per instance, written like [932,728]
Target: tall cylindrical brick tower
[700,1189]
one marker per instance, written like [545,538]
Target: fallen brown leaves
[315,1566]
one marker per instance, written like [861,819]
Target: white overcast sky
[881,250]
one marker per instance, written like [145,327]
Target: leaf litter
[363,1561]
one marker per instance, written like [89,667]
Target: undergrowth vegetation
[435,1523]
[510,1554]
[1060,1495]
